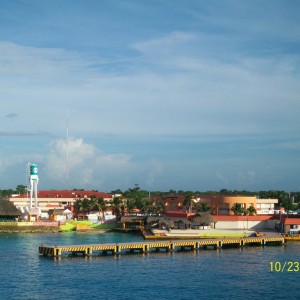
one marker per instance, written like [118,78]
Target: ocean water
[206,274]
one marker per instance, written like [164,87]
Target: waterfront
[230,273]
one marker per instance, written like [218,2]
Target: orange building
[219,204]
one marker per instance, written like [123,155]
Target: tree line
[136,191]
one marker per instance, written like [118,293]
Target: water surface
[206,274]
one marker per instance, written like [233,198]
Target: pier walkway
[155,246]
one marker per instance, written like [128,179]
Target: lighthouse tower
[33,184]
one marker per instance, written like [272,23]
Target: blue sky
[168,94]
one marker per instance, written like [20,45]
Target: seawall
[15,227]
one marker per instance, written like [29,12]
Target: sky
[167,94]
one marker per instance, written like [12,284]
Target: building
[254,223]
[55,199]
[219,204]
[290,224]
[8,212]
[58,214]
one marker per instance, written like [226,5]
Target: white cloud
[89,167]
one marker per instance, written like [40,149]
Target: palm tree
[93,202]
[237,209]
[78,206]
[203,207]
[188,201]
[86,205]
[144,204]
[251,210]
[102,206]
[116,204]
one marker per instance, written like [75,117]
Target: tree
[288,205]
[102,206]
[21,189]
[203,207]
[159,207]
[172,192]
[144,204]
[135,198]
[188,201]
[117,191]
[93,202]
[237,209]
[224,192]
[86,205]
[77,206]
[251,210]
[6,193]
[116,205]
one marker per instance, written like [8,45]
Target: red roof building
[55,199]
[290,224]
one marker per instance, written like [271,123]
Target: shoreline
[52,227]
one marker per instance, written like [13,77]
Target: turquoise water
[206,274]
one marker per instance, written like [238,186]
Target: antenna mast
[67,155]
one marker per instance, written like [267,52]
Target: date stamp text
[284,266]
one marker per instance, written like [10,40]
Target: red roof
[291,221]
[182,214]
[178,214]
[68,194]
[243,218]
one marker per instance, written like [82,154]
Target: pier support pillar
[172,247]
[146,248]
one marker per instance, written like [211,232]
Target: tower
[33,184]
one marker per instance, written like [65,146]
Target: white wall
[251,225]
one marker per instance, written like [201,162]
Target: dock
[156,246]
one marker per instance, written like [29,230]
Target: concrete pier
[146,247]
